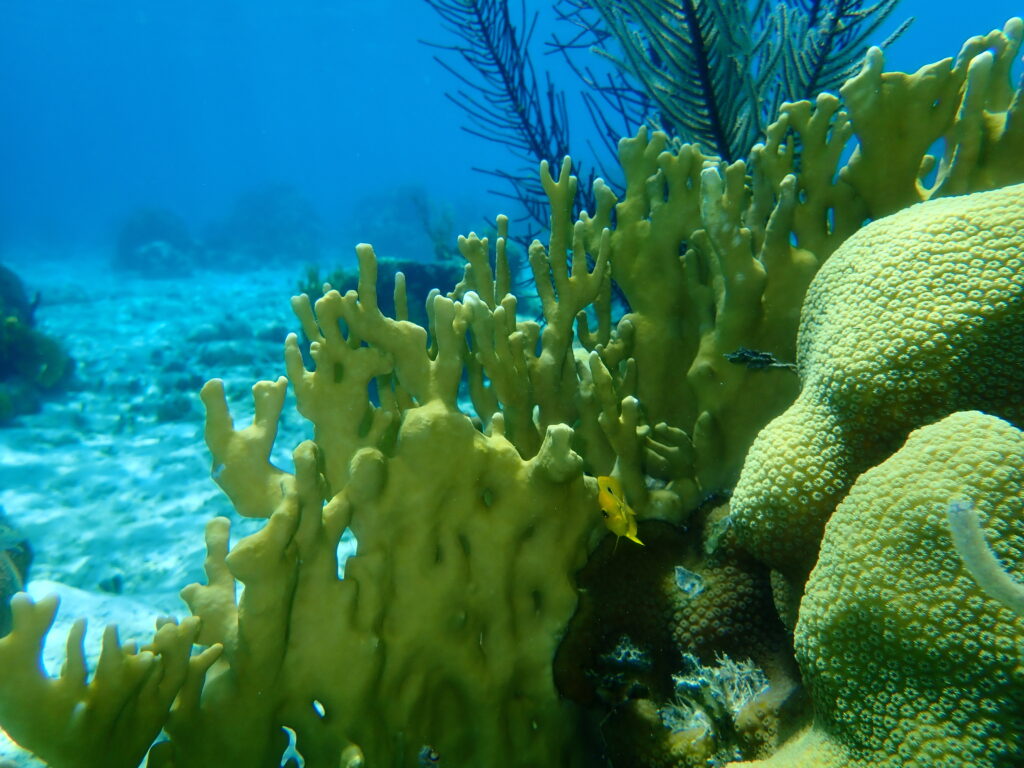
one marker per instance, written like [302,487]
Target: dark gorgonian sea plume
[709,72]
[715,72]
[501,94]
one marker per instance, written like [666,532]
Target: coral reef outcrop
[908,661]
[917,315]
[465,456]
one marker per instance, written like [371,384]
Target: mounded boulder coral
[916,316]
[473,521]
[155,243]
[909,663]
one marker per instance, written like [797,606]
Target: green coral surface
[464,454]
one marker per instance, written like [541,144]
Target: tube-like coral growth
[979,559]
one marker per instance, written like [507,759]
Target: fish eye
[603,513]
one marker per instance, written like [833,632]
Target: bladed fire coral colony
[822,356]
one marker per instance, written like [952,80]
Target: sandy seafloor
[111,481]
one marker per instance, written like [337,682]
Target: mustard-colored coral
[110,719]
[966,105]
[472,522]
[909,662]
[917,315]
[734,247]
[447,646]
[440,637]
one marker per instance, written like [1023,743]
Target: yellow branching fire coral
[450,612]
[464,456]
[108,718]
[734,247]
[392,658]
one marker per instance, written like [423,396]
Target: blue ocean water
[111,105]
[336,111]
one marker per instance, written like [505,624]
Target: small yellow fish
[618,515]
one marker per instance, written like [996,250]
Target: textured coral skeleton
[463,457]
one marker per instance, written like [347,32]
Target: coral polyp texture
[464,457]
[917,315]
[909,662]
